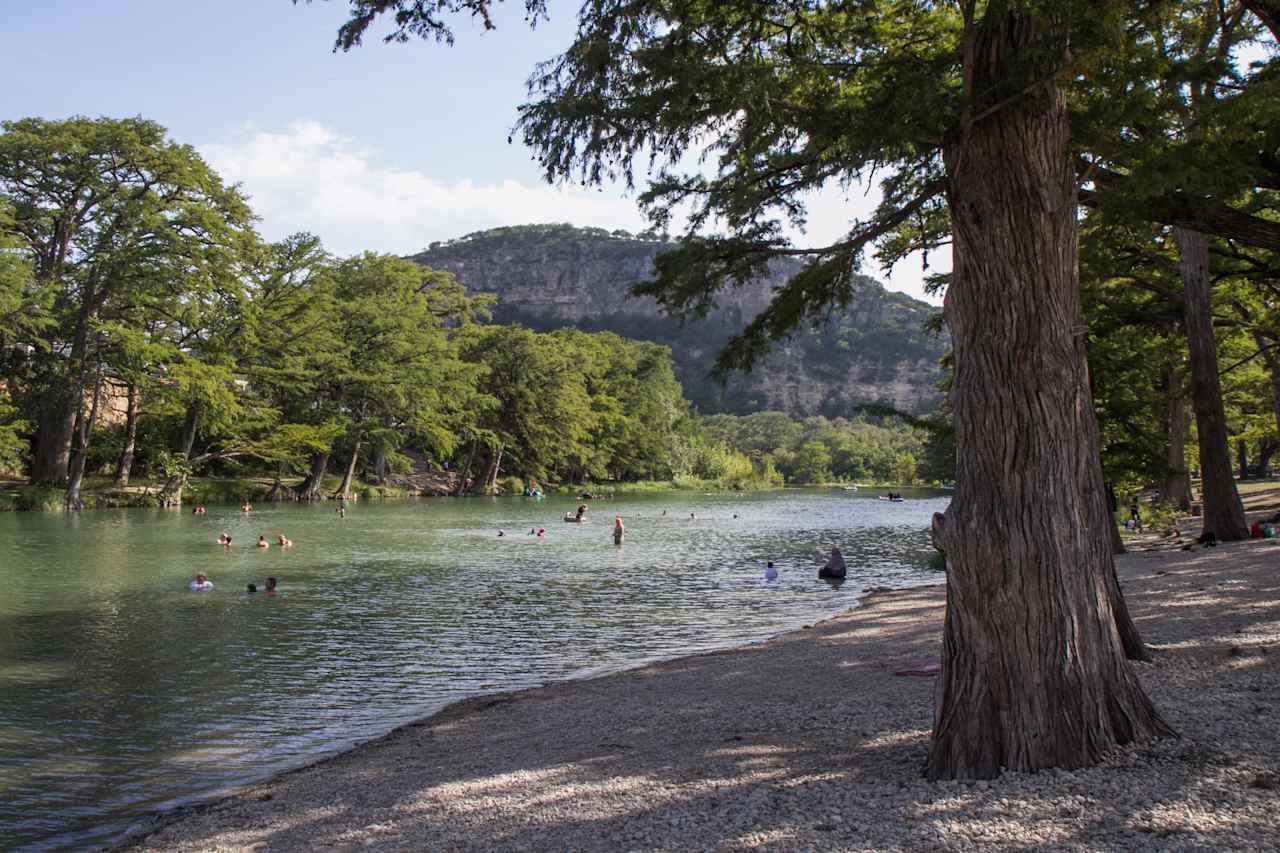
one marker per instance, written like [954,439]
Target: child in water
[284,542]
[201,583]
[263,543]
[617,530]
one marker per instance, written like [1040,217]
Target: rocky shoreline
[808,741]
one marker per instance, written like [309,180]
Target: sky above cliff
[386,148]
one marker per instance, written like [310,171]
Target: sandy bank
[810,742]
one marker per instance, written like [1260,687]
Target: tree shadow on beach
[808,741]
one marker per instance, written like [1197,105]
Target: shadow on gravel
[808,741]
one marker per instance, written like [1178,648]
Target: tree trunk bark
[1177,421]
[1223,514]
[491,476]
[466,472]
[1267,448]
[344,488]
[52,459]
[190,425]
[75,474]
[310,488]
[51,454]
[1034,673]
[124,464]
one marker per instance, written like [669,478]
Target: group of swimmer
[203,584]
[224,539]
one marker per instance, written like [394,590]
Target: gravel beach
[809,742]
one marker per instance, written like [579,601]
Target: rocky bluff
[876,352]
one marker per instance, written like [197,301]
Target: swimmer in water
[202,582]
[500,533]
[342,512]
[253,587]
[284,542]
[770,573]
[224,539]
[271,586]
[263,543]
[246,507]
[541,531]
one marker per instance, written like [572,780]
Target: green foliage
[817,450]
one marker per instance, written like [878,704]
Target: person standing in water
[617,530]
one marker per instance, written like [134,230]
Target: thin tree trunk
[344,488]
[466,472]
[1034,673]
[1177,423]
[311,486]
[75,475]
[124,464]
[1223,514]
[187,442]
[491,476]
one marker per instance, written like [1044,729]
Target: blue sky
[388,147]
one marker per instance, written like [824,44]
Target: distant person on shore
[1135,515]
[835,567]
[271,586]
[201,583]
[617,530]
[224,539]
[284,541]
[263,543]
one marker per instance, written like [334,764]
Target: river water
[122,692]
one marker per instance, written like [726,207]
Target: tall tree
[962,105]
[97,205]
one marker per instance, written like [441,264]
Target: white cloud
[308,178]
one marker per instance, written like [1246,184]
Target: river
[122,692]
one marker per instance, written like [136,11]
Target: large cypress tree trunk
[1034,673]
[310,488]
[1223,514]
[124,464]
[1177,425]
[51,453]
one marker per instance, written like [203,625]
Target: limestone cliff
[546,276]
